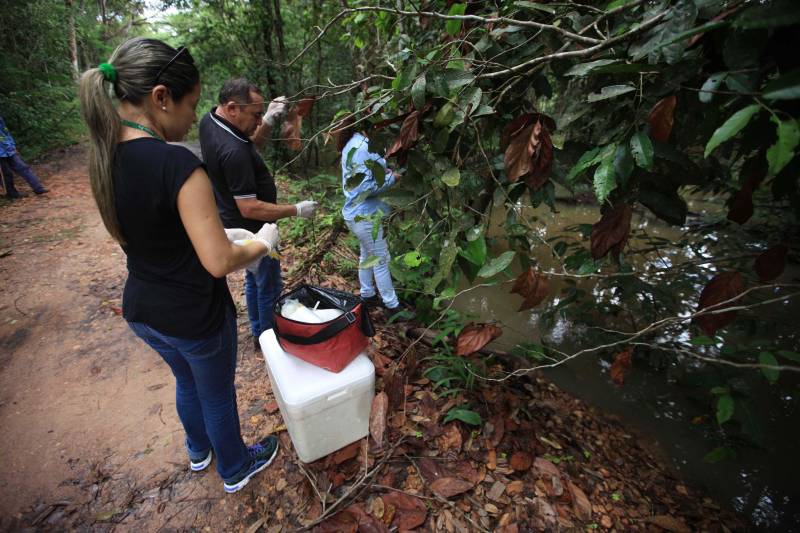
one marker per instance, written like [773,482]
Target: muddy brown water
[760,483]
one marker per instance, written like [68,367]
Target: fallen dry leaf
[669,523]
[347,453]
[448,487]
[521,461]
[583,508]
[410,512]
[377,417]
[771,263]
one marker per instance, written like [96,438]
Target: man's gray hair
[238,90]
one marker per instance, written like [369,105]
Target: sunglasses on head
[181,50]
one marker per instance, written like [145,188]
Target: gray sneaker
[261,456]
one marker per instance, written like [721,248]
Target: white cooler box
[323,411]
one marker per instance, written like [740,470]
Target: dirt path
[90,439]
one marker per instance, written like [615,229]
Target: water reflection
[761,481]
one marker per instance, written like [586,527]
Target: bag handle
[326,333]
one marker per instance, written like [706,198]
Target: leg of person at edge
[11,162]
[157,201]
[361,205]
[231,135]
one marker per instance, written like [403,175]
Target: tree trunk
[73,41]
[266,37]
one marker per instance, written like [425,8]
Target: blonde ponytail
[104,123]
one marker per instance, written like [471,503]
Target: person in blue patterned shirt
[362,209]
[11,162]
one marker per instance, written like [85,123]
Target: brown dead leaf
[366,522]
[343,522]
[394,383]
[543,467]
[521,461]
[669,523]
[529,153]
[491,459]
[271,407]
[581,504]
[377,417]
[742,206]
[510,528]
[722,287]
[662,117]
[533,287]
[347,453]
[515,487]
[448,487]
[429,469]
[611,231]
[450,439]
[621,364]
[305,105]
[409,133]
[771,263]
[410,512]
[475,336]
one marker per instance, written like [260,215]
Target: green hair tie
[109,72]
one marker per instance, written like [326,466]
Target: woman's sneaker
[261,456]
[200,464]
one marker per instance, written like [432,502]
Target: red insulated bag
[330,345]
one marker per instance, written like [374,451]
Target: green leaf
[772,374]
[589,266]
[454,26]
[444,116]
[612,91]
[451,177]
[712,84]
[377,170]
[731,127]
[623,163]
[465,415]
[703,341]
[455,78]
[497,264]
[719,391]
[642,149]
[780,153]
[719,454]
[471,99]
[418,92]
[412,259]
[534,5]
[475,232]
[786,87]
[605,179]
[666,205]
[791,356]
[446,258]
[583,69]
[725,407]
[772,14]
[370,262]
[588,159]
[475,252]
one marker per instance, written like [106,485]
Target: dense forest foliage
[494,109]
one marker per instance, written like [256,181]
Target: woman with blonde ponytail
[156,200]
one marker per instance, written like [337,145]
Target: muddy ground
[90,439]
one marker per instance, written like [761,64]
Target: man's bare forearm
[253,209]
[261,135]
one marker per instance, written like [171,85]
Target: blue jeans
[261,291]
[205,396]
[16,164]
[379,274]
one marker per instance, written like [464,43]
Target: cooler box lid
[302,383]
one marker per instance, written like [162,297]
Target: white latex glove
[306,208]
[275,110]
[238,234]
[268,234]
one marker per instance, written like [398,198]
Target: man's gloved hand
[306,208]
[275,110]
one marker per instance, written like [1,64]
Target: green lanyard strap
[139,127]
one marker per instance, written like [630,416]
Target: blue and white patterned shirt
[7,146]
[353,207]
